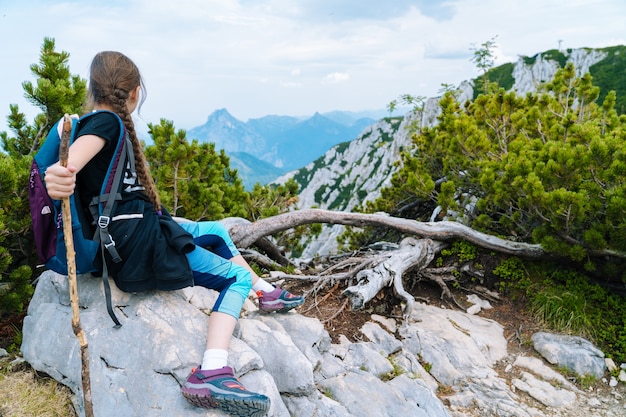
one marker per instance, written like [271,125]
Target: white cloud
[335,78]
[258,57]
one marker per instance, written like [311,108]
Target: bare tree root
[252,256]
[371,273]
[411,254]
[245,233]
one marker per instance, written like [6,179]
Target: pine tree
[194,180]
[546,168]
[55,93]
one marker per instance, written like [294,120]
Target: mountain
[308,140]
[273,125]
[228,133]
[252,170]
[351,173]
[284,142]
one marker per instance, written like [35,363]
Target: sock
[214,359]
[263,285]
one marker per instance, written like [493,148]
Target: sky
[291,57]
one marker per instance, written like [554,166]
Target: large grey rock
[136,371]
[365,395]
[280,356]
[572,352]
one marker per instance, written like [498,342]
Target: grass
[564,300]
[23,393]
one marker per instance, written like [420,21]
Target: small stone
[613,382]
[610,364]
[475,309]
[594,402]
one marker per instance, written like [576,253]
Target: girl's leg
[232,281]
[214,237]
[214,383]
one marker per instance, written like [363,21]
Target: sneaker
[220,389]
[278,300]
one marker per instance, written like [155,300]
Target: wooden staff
[71,272]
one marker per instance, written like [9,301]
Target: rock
[365,395]
[476,300]
[136,370]
[594,402]
[572,352]
[383,341]
[540,369]
[387,323]
[544,392]
[610,364]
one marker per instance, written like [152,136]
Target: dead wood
[245,234]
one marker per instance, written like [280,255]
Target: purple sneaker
[278,300]
[220,389]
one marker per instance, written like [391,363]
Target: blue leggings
[212,268]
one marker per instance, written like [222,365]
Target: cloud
[257,57]
[325,11]
[335,78]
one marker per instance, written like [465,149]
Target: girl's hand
[60,181]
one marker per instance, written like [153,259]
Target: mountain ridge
[284,142]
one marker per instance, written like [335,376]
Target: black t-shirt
[89,180]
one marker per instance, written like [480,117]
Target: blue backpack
[47,220]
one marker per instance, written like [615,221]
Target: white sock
[263,285]
[214,359]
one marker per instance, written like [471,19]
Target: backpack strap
[102,224]
[101,208]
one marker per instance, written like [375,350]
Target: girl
[116,90]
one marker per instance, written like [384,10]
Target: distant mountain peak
[283,141]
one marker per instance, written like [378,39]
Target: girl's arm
[61,181]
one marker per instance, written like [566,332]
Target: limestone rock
[572,352]
[137,370]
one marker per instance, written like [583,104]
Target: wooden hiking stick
[71,272]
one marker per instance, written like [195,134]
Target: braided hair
[112,78]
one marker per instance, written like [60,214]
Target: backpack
[47,220]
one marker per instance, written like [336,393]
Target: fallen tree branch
[245,234]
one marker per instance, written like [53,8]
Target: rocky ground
[595,399]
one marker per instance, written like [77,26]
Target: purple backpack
[46,213]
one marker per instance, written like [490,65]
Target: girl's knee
[243,281]
[219,228]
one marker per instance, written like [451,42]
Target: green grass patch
[567,302]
